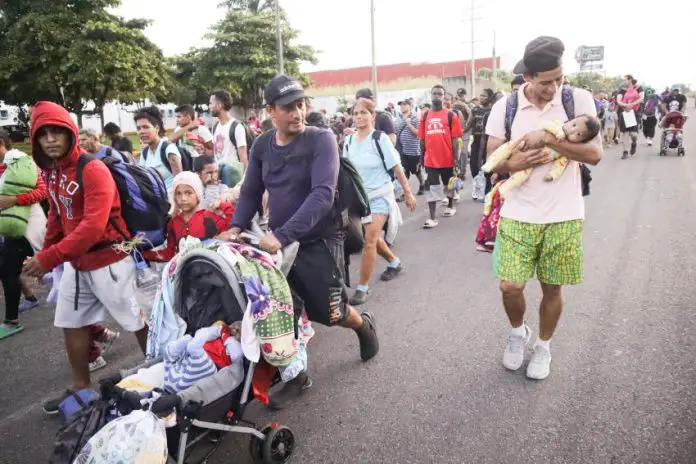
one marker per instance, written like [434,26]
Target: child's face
[186,198]
[576,130]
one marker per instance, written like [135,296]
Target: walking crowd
[526,150]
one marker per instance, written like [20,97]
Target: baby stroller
[208,289]
[672,126]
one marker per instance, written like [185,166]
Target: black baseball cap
[541,54]
[404,102]
[365,93]
[283,90]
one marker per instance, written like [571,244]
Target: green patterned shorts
[553,250]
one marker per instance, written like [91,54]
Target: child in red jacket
[188,217]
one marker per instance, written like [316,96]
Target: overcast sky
[340,29]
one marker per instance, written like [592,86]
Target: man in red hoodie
[84,221]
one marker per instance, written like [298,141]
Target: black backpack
[568,101]
[351,204]
[186,157]
[250,137]
[376,135]
[73,436]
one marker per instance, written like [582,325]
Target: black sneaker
[421,190]
[51,406]
[367,335]
[290,391]
[359,297]
[625,155]
[634,145]
[392,272]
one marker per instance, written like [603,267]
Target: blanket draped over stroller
[20,177]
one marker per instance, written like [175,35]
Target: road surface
[623,381]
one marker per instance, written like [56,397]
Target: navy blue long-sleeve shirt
[301,181]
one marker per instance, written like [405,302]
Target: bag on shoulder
[144,200]
[376,135]
[186,156]
[568,100]
[250,137]
[74,435]
[352,204]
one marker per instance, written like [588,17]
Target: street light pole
[473,59]
[374,62]
[494,73]
[279,38]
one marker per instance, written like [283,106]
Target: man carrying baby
[540,228]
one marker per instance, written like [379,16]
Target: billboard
[584,54]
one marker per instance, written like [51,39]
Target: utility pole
[473,57]
[279,38]
[494,67]
[374,61]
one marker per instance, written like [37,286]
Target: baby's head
[187,192]
[581,129]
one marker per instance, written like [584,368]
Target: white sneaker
[539,366]
[449,212]
[444,202]
[514,350]
[97,364]
[457,197]
[430,224]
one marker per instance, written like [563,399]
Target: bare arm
[175,163]
[588,153]
[243,157]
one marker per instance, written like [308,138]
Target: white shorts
[110,289]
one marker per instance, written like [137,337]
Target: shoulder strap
[82,161]
[109,152]
[568,100]
[215,126]
[233,137]
[450,117]
[510,113]
[163,156]
[423,122]
[376,135]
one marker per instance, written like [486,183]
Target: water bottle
[212,194]
[144,277]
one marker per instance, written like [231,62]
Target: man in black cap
[383,121]
[540,229]
[298,167]
[517,82]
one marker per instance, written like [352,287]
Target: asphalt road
[623,381]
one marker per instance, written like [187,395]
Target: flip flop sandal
[7,331]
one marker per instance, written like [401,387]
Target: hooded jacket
[80,226]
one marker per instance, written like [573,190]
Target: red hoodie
[203,224]
[78,229]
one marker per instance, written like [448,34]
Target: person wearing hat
[298,167]
[540,229]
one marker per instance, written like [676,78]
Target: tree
[243,59]
[484,73]
[185,85]
[75,51]
[595,81]
[253,6]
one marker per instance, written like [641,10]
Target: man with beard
[228,149]
[439,131]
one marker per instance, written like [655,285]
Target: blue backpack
[144,201]
[569,107]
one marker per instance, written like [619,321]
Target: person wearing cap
[540,229]
[383,120]
[298,167]
[517,82]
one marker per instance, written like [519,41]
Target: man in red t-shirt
[439,132]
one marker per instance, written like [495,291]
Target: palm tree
[253,6]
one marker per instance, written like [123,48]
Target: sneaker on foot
[108,339]
[634,145]
[97,364]
[625,155]
[9,328]
[290,391]
[449,212]
[457,197]
[539,366]
[26,305]
[514,350]
[421,190]
[51,406]
[392,272]
[430,224]
[444,202]
[367,336]
[359,297]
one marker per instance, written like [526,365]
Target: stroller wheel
[256,444]
[278,446]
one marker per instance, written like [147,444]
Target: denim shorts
[379,206]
